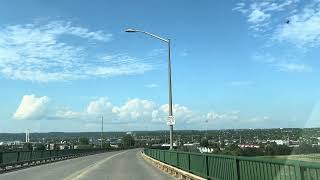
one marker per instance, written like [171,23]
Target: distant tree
[40,146]
[85,147]
[106,145]
[304,148]
[214,145]
[140,143]
[233,147]
[283,150]
[83,141]
[251,152]
[127,141]
[222,144]
[27,147]
[204,142]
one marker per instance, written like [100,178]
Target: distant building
[192,144]
[9,143]
[168,145]
[280,142]
[114,145]
[205,150]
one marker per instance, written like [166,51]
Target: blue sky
[236,64]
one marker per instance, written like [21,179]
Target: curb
[173,171]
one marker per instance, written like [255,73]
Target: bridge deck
[126,165]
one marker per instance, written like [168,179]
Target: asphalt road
[126,165]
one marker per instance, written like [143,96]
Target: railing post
[177,159]
[207,166]
[236,168]
[1,157]
[31,156]
[18,156]
[189,162]
[299,171]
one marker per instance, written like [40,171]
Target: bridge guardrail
[226,167]
[18,157]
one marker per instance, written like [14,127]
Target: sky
[235,64]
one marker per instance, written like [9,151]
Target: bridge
[118,165]
[140,164]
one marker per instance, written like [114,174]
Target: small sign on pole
[171,120]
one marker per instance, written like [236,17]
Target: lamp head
[131,30]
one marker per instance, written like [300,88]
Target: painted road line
[83,172]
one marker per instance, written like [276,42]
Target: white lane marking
[83,172]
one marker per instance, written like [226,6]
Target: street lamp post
[169,80]
[101,132]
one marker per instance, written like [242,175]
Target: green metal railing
[236,167]
[16,157]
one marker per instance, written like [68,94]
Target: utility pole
[27,135]
[207,128]
[101,132]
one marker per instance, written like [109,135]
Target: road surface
[126,165]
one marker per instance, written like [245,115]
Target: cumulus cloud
[32,107]
[135,109]
[134,112]
[181,112]
[101,105]
[59,51]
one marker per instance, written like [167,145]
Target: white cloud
[282,63]
[260,14]
[137,113]
[181,113]
[293,67]
[32,107]
[66,113]
[259,119]
[268,19]
[303,29]
[152,85]
[52,52]
[292,26]
[100,106]
[135,109]
[257,16]
[60,27]
[219,117]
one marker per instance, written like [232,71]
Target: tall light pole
[101,132]
[171,120]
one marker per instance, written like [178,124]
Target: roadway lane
[126,165]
